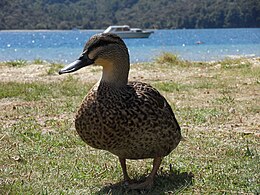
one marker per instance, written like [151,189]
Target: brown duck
[132,120]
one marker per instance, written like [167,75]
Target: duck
[130,119]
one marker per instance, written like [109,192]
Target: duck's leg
[148,183]
[127,179]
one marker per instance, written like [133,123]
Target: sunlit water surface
[196,45]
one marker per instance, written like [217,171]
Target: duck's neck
[115,73]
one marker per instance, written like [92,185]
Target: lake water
[65,46]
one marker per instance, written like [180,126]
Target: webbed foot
[146,185]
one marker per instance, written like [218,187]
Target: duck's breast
[134,122]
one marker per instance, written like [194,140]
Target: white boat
[126,32]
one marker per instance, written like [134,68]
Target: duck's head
[107,50]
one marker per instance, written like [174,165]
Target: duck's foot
[127,182]
[146,185]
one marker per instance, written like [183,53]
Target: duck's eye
[99,45]
[84,56]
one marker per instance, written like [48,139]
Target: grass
[217,107]
[54,68]
[171,59]
[229,63]
[38,61]
[169,86]
[22,63]
[39,90]
[16,63]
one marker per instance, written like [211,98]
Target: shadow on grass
[168,182]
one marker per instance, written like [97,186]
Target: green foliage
[229,63]
[167,57]
[16,63]
[37,90]
[96,14]
[54,68]
[202,115]
[169,86]
[171,59]
[38,61]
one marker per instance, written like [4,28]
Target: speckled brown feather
[132,122]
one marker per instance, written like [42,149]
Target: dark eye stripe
[102,40]
[98,43]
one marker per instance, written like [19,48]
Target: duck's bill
[76,65]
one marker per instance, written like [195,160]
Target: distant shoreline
[46,30]
[101,30]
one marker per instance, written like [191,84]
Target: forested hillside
[98,14]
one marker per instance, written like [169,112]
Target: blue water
[66,46]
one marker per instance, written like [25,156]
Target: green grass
[171,59]
[16,63]
[39,90]
[230,63]
[169,86]
[59,162]
[38,61]
[198,116]
[54,68]
[41,152]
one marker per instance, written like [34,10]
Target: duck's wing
[148,94]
